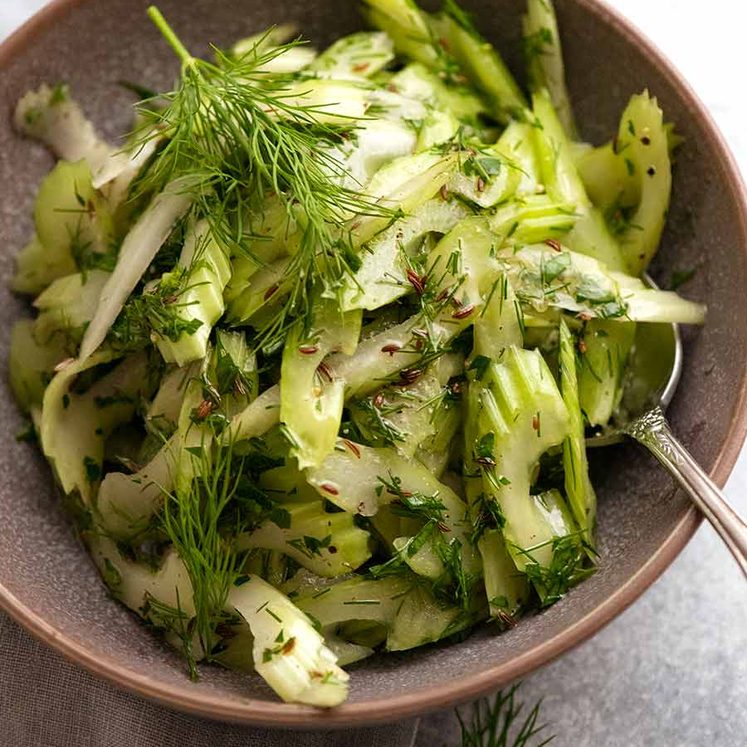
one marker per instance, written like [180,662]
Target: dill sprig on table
[499,722]
[238,136]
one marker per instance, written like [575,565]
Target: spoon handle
[652,431]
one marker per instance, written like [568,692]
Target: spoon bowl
[652,375]
[651,379]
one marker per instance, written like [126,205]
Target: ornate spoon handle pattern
[652,431]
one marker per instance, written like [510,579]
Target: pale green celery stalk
[424,561]
[327,544]
[310,402]
[461,264]
[356,56]
[345,651]
[382,276]
[546,277]
[287,484]
[499,325]
[208,271]
[163,596]
[416,81]
[67,306]
[257,418]
[402,605]
[70,218]
[411,416]
[135,584]
[631,179]
[607,180]
[578,488]
[561,180]
[75,426]
[495,190]
[532,220]
[69,213]
[520,414]
[289,654]
[423,619]
[372,365]
[438,128]
[163,411]
[235,651]
[365,632]
[37,267]
[518,143]
[53,117]
[31,363]
[506,589]
[437,451]
[544,56]
[604,350]
[334,102]
[274,232]
[649,305]
[643,145]
[356,598]
[481,63]
[407,411]
[497,330]
[127,502]
[408,28]
[263,288]
[137,252]
[404,184]
[470,245]
[292,60]
[351,478]
[377,142]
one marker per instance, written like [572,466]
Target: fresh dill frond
[176,621]
[88,257]
[154,314]
[454,585]
[499,722]
[237,135]
[411,504]
[486,515]
[193,519]
[569,566]
[373,421]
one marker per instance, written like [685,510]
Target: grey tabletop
[672,670]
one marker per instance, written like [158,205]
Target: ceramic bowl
[46,580]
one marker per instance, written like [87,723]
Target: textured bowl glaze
[46,580]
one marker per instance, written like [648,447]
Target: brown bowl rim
[450,693]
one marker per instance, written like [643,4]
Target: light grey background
[672,670]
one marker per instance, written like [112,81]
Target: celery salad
[318,350]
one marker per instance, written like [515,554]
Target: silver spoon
[641,418]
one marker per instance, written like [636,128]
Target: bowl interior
[45,576]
